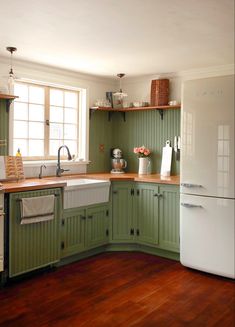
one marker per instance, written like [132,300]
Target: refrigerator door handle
[190,205]
[190,185]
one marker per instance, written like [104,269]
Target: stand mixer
[118,163]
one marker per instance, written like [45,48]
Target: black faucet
[60,170]
[40,173]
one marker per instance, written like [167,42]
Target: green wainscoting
[140,128]
[4,127]
[100,133]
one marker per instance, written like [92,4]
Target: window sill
[49,163]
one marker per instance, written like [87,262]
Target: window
[44,118]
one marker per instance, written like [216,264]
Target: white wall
[138,89]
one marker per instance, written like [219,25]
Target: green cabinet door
[146,213]
[169,217]
[122,206]
[73,232]
[33,245]
[97,232]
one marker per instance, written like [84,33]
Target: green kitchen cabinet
[169,217]
[83,229]
[34,245]
[146,213]
[122,212]
[73,231]
[97,226]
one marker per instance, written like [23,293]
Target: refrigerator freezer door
[207,137]
[207,234]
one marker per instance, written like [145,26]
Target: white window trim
[83,126]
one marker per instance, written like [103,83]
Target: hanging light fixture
[120,94]
[11,77]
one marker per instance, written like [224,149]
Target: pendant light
[11,77]
[120,94]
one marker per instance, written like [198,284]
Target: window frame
[82,122]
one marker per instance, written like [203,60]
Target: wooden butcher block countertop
[50,182]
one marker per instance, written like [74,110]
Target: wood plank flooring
[119,289]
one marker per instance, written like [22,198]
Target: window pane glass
[56,131]
[36,130]
[20,111]
[54,146]
[70,115]
[56,114]
[20,129]
[70,99]
[36,147]
[56,97]
[72,145]
[36,94]
[70,132]
[22,145]
[21,91]
[36,112]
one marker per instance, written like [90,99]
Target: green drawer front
[34,245]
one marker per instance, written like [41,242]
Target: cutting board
[11,168]
[166,159]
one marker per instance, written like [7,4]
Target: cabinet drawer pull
[132,231]
[90,217]
[190,185]
[190,205]
[82,217]
[137,232]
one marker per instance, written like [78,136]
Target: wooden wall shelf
[124,110]
[9,98]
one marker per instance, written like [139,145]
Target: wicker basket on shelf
[159,92]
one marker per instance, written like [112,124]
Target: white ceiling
[105,37]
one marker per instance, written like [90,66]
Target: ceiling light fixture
[120,94]
[11,77]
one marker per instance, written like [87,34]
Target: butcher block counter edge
[31,184]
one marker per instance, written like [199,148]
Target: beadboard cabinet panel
[73,232]
[147,213]
[97,226]
[169,217]
[122,207]
[35,245]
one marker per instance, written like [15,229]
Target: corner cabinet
[35,245]
[146,213]
[84,228]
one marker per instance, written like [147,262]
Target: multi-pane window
[44,118]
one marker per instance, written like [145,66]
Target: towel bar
[19,200]
[38,216]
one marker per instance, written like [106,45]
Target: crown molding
[23,67]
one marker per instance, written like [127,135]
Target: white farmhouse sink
[83,192]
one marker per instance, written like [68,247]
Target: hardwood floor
[119,289]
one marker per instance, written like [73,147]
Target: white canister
[144,166]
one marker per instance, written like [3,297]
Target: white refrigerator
[207,200]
